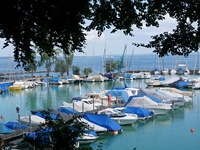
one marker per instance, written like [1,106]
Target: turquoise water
[170,132]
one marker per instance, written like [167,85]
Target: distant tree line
[63,64]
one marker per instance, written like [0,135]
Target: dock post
[30,122]
[17,110]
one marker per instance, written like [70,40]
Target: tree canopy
[50,24]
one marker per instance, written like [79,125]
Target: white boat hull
[125,121]
[87,139]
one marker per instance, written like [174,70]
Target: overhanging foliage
[62,24]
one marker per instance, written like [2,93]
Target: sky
[114,43]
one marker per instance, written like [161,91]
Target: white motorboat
[119,116]
[169,81]
[17,86]
[101,99]
[194,84]
[79,106]
[146,75]
[164,97]
[89,101]
[186,72]
[98,78]
[165,71]
[31,120]
[176,96]
[175,90]
[139,75]
[87,138]
[132,76]
[173,72]
[89,79]
[176,99]
[69,80]
[155,81]
[147,103]
[98,129]
[156,72]
[55,81]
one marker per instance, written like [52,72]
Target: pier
[17,135]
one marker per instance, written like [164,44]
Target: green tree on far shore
[60,66]
[76,70]
[68,61]
[87,71]
[47,61]
[31,66]
[110,65]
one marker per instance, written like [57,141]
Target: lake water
[169,132]
[132,62]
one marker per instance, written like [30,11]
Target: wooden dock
[16,136]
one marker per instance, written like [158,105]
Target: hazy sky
[115,42]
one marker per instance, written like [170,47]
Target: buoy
[192,130]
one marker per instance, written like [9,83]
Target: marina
[175,127]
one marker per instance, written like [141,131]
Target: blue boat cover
[54,79]
[42,115]
[45,80]
[15,125]
[139,111]
[161,78]
[154,98]
[4,129]
[131,97]
[77,98]
[182,84]
[119,93]
[128,75]
[68,110]
[180,70]
[102,120]
[141,95]
[41,136]
[3,87]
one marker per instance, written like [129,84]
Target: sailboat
[195,83]
[165,71]
[186,71]
[173,71]
[156,69]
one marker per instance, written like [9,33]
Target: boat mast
[103,59]
[120,66]
[130,62]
